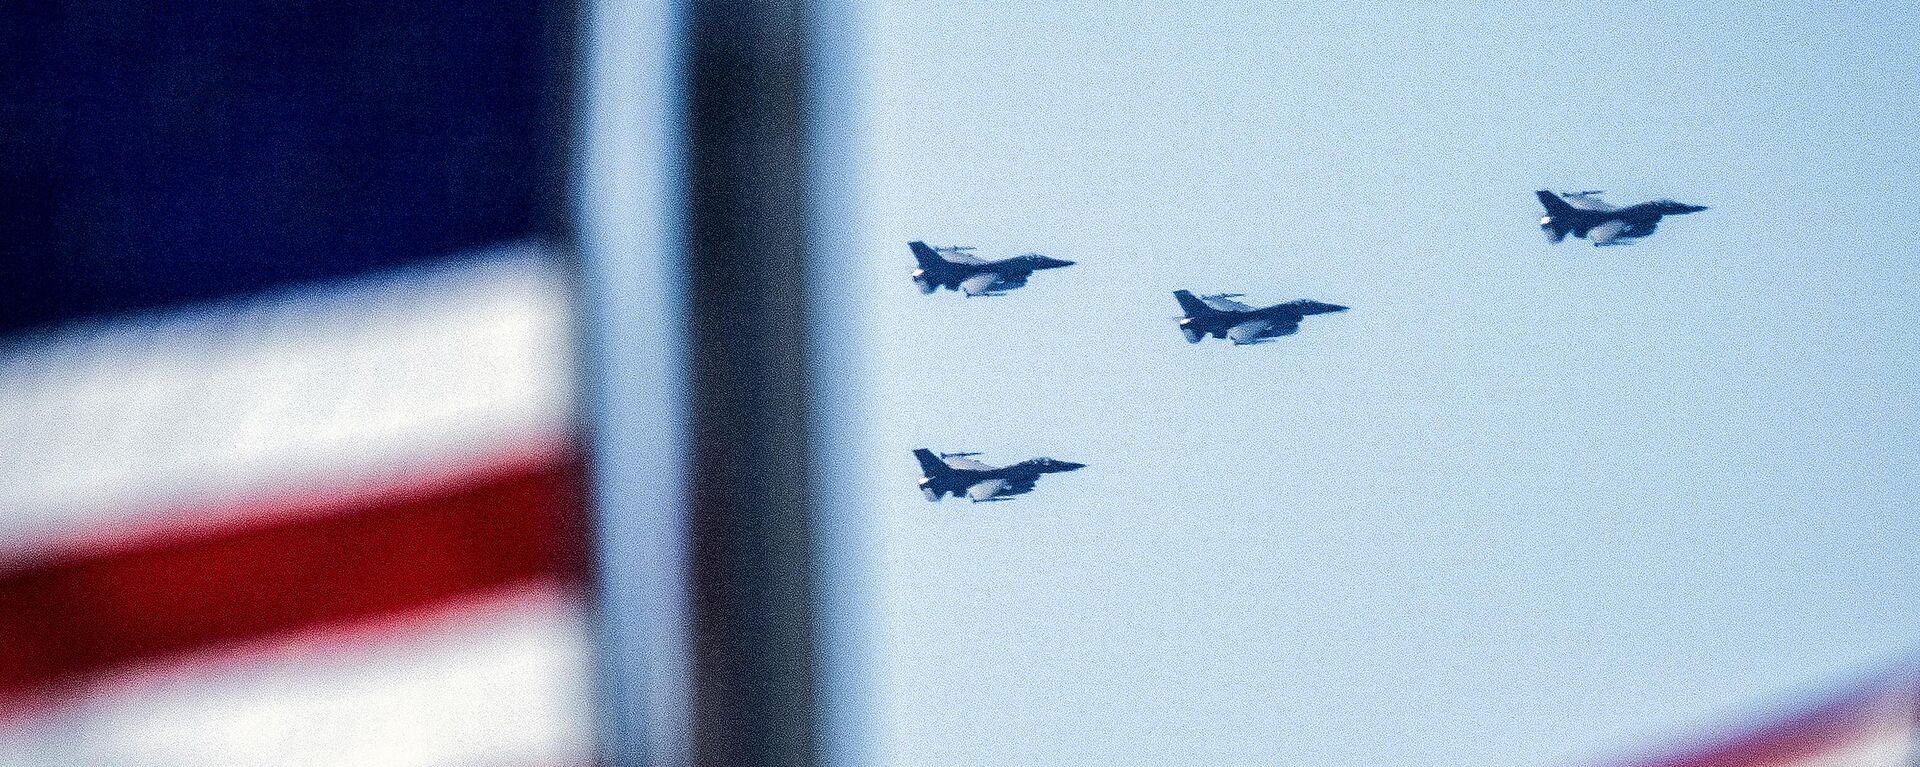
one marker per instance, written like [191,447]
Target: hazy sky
[1524,505]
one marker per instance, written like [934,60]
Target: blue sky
[1524,505]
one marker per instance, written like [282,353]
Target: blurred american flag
[332,524]
[1874,724]
[289,467]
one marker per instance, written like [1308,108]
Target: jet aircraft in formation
[956,268]
[1583,214]
[1221,316]
[957,474]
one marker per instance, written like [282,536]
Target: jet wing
[1587,202]
[1020,484]
[1226,304]
[959,257]
[979,284]
[966,464]
[1248,332]
[1255,331]
[985,491]
[1609,233]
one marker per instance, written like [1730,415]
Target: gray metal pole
[751,554]
[697,208]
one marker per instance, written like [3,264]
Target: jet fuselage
[940,479]
[1563,218]
[974,277]
[1248,326]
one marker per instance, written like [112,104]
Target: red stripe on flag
[387,554]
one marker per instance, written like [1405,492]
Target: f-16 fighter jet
[1220,316]
[957,474]
[1582,214]
[956,268]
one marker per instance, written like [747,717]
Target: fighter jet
[958,474]
[1582,214]
[956,268]
[1220,316]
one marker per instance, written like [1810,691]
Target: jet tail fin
[1192,305]
[930,464]
[926,255]
[1555,206]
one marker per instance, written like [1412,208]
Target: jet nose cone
[1336,308]
[1071,466]
[1048,262]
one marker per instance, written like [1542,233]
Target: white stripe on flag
[348,383]
[500,682]
[1875,725]
[1891,747]
[1885,738]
